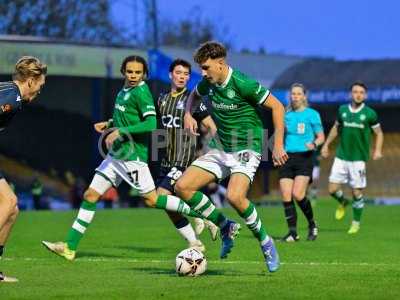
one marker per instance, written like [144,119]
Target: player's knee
[298,195]
[332,189]
[357,193]
[12,203]
[14,215]
[91,195]
[235,197]
[181,189]
[286,195]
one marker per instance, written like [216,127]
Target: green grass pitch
[130,254]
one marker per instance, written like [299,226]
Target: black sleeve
[201,112]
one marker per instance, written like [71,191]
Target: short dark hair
[136,58]
[359,83]
[208,50]
[180,62]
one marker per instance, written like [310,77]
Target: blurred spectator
[134,198]
[216,192]
[313,188]
[37,192]
[78,186]
[110,197]
[12,186]
[77,192]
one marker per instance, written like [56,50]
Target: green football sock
[254,223]
[203,206]
[339,196]
[172,203]
[358,206]
[81,223]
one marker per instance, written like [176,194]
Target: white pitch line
[231,262]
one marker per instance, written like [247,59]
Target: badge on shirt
[231,94]
[180,105]
[301,128]
[6,108]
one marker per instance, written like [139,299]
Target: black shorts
[168,177]
[298,164]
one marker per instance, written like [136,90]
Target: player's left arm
[316,125]
[377,154]
[148,124]
[279,154]
[256,94]
[376,127]
[202,115]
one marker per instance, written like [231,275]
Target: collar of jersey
[127,89]
[354,111]
[225,83]
[176,94]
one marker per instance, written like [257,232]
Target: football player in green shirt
[236,150]
[134,118]
[354,124]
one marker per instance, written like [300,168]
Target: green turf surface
[130,254]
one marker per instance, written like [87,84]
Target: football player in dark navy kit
[181,147]
[28,80]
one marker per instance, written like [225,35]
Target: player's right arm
[101,126]
[193,99]
[333,133]
[209,124]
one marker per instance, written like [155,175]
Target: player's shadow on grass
[332,229]
[171,272]
[154,270]
[141,249]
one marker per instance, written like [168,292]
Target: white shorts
[223,164]
[112,171]
[352,172]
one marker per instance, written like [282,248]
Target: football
[190,262]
